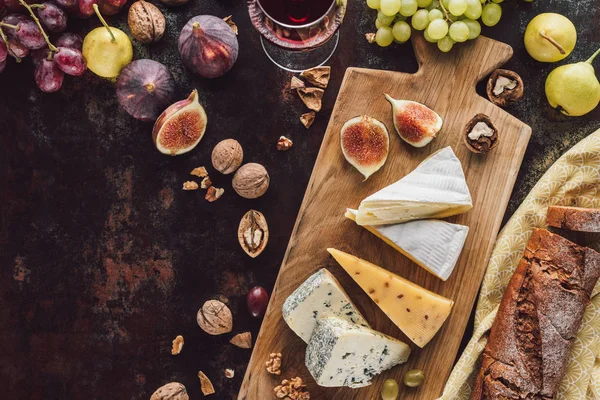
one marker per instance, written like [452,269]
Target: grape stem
[37,21]
[445,11]
[591,59]
[5,25]
[97,11]
[553,42]
[5,40]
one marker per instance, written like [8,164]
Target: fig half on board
[365,144]
[416,123]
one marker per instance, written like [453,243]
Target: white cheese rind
[319,296]
[435,189]
[432,244]
[340,353]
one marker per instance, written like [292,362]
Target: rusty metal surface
[104,259]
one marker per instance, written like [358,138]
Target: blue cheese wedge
[340,353]
[435,189]
[432,244]
[321,295]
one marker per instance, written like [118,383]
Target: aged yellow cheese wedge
[418,312]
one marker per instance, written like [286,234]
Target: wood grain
[446,83]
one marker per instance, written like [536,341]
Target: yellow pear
[550,37]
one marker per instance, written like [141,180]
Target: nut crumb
[274,364]
[177,345]
[205,384]
[213,194]
[370,37]
[206,183]
[296,83]
[284,144]
[242,340]
[200,172]
[223,299]
[229,373]
[190,185]
[308,119]
[292,389]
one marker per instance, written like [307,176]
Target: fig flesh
[415,123]
[145,88]
[180,127]
[365,144]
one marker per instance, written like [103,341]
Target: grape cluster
[444,22]
[38,31]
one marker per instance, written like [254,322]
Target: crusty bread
[538,319]
[574,218]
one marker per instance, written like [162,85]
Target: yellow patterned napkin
[573,180]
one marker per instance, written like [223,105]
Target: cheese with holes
[418,312]
[321,295]
[435,189]
[341,353]
[432,244]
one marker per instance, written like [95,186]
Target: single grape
[400,17]
[38,55]
[2,65]
[427,37]
[257,301]
[390,390]
[408,7]
[459,31]
[86,7]
[71,61]
[497,1]
[457,7]
[474,28]
[384,36]
[374,4]
[446,3]
[424,3]
[390,7]
[65,4]
[445,44]
[3,51]
[401,31]
[69,39]
[17,48]
[437,29]
[116,3]
[384,19]
[435,14]
[52,17]
[491,14]
[13,19]
[474,9]
[48,76]
[420,20]
[30,35]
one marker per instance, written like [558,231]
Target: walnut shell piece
[296,83]
[504,87]
[312,98]
[242,340]
[253,233]
[215,318]
[307,119]
[205,384]
[146,22]
[284,143]
[171,391]
[251,181]
[318,76]
[227,156]
[480,134]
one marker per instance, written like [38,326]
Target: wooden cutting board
[446,83]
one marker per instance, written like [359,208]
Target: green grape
[390,7]
[435,14]
[474,9]
[408,7]
[384,19]
[374,4]
[400,18]
[491,14]
[437,29]
[427,37]
[459,31]
[424,3]
[378,24]
[435,4]
[401,31]
[474,28]
[384,36]
[390,390]
[457,7]
[445,3]
[420,20]
[445,44]
[497,1]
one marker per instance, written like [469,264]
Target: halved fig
[416,123]
[180,127]
[365,144]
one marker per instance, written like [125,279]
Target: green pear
[574,88]
[550,37]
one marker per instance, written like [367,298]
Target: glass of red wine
[298,34]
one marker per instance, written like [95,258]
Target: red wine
[296,12]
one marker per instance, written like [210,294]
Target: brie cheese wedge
[435,189]
[432,244]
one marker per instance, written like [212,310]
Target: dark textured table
[104,259]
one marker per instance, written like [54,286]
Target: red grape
[86,7]
[3,51]
[257,301]
[66,3]
[30,35]
[13,5]
[2,65]
[70,61]
[13,19]
[69,39]
[48,76]
[107,8]
[116,3]
[17,48]
[53,17]
[39,54]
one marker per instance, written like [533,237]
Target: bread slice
[538,319]
[574,218]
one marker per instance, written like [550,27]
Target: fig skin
[208,46]
[145,88]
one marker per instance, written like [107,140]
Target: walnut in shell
[504,87]
[215,318]
[251,181]
[146,22]
[318,76]
[253,233]
[480,135]
[171,391]
[227,156]
[242,340]
[311,97]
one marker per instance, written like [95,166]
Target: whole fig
[208,46]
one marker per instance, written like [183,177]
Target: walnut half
[480,135]
[504,87]
[253,233]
